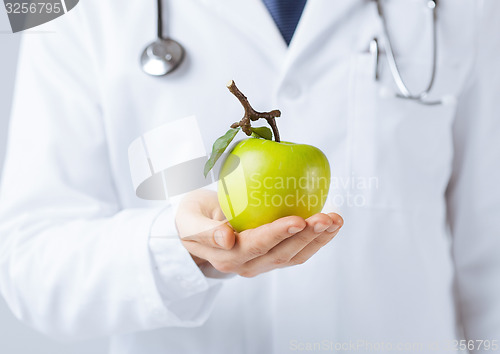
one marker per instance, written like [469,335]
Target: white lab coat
[417,262]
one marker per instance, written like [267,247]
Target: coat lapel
[324,21]
[252,20]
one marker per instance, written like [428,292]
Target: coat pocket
[400,150]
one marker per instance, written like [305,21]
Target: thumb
[197,227]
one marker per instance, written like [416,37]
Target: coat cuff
[182,285]
[177,275]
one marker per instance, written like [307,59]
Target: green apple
[263,180]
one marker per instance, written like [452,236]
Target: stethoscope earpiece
[164,55]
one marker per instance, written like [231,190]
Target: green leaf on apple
[219,147]
[263,133]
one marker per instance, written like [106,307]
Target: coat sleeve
[474,192]
[73,262]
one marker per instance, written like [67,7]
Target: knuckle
[257,249]
[304,238]
[321,241]
[280,260]
[277,238]
[273,229]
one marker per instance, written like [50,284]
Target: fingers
[320,229]
[311,249]
[250,244]
[208,232]
[196,223]
[287,241]
[287,249]
[321,240]
[257,242]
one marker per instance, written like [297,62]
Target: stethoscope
[164,55]
[404,92]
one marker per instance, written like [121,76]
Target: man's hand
[285,242]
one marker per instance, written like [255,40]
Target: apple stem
[252,115]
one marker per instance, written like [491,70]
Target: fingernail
[333,228]
[320,228]
[294,230]
[219,238]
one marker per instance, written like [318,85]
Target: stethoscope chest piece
[162,57]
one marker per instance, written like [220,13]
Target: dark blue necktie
[286,15]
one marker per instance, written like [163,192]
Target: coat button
[292,91]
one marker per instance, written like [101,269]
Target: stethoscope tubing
[404,91]
[159,19]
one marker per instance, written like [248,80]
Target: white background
[15,337]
